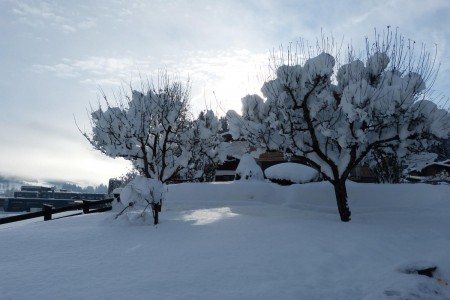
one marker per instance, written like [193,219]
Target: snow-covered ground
[241,240]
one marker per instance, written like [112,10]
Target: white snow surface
[296,173]
[241,240]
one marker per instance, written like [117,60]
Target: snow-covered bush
[248,169]
[331,111]
[141,192]
[142,195]
[288,173]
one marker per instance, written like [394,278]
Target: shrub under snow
[142,192]
[248,169]
[291,173]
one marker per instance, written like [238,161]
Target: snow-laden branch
[332,115]
[154,129]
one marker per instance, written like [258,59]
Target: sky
[56,57]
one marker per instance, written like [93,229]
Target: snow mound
[248,169]
[293,172]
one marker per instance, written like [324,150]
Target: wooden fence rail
[88,206]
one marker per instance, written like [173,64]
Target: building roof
[445,163]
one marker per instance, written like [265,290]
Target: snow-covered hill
[241,240]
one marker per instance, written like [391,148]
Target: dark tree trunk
[340,191]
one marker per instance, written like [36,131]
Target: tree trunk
[340,191]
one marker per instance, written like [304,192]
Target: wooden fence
[88,206]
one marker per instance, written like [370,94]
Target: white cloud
[60,70]
[87,24]
[36,14]
[49,14]
[67,28]
[45,151]
[228,75]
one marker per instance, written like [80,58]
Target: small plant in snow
[143,195]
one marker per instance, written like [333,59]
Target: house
[226,171]
[434,168]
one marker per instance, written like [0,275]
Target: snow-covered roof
[445,163]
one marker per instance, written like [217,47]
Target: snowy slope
[242,240]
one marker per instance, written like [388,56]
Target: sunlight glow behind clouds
[228,75]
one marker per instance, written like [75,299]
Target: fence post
[47,212]
[85,207]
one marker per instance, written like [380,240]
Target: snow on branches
[332,114]
[153,129]
[141,192]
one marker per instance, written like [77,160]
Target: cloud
[227,74]
[61,70]
[51,131]
[87,24]
[42,10]
[38,14]
[94,66]
[49,14]
[49,150]
[68,28]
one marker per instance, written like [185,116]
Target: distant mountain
[102,189]
[9,184]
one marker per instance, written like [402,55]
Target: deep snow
[240,240]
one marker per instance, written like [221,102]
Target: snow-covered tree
[153,129]
[333,114]
[442,149]
[204,143]
[390,165]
